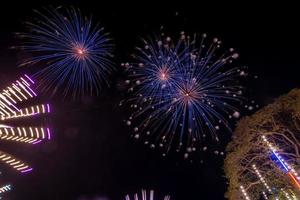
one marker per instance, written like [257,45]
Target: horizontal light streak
[31,135]
[14,163]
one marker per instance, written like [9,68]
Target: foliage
[280,123]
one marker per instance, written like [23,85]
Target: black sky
[92,154]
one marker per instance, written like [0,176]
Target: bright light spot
[163,74]
[80,52]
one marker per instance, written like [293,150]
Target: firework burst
[73,55]
[145,196]
[180,91]
[14,112]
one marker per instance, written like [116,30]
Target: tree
[279,122]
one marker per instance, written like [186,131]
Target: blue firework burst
[182,91]
[73,55]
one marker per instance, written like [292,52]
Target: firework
[73,55]
[145,196]
[181,91]
[13,111]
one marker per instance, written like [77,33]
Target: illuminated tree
[268,141]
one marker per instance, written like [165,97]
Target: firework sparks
[11,100]
[182,91]
[75,54]
[145,196]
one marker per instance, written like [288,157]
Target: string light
[265,196]
[244,192]
[286,194]
[293,195]
[294,179]
[262,179]
[287,168]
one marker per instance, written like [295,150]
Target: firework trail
[14,111]
[145,196]
[73,55]
[180,91]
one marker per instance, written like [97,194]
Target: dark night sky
[92,153]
